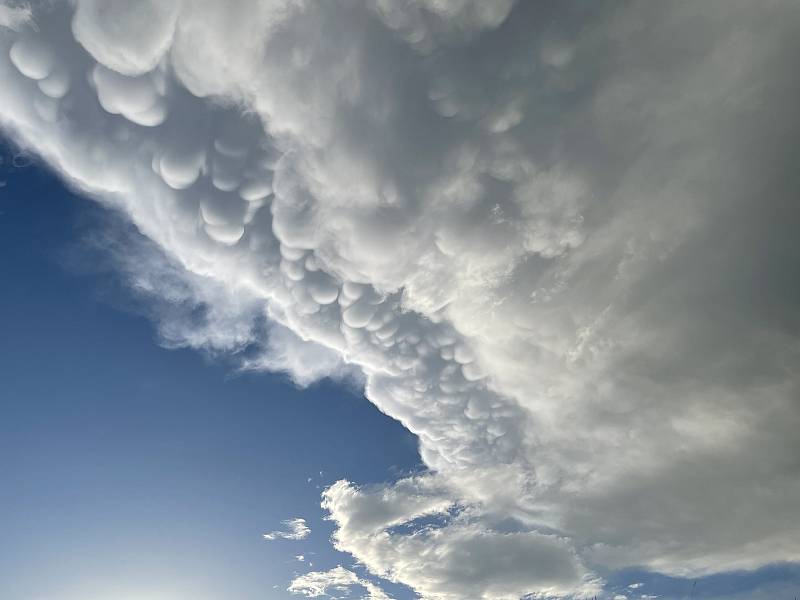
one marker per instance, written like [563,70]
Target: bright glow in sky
[451,298]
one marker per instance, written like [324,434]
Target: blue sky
[489,299]
[137,472]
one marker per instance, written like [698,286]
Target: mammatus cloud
[557,240]
[296,529]
[335,583]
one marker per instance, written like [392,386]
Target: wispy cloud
[15,16]
[295,529]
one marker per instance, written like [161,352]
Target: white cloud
[295,529]
[452,554]
[555,243]
[335,583]
[303,360]
[127,38]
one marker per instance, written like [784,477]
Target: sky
[445,299]
[132,471]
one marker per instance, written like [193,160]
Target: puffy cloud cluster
[296,529]
[335,583]
[558,241]
[411,531]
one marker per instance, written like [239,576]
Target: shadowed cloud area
[557,241]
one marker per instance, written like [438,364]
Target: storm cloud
[558,241]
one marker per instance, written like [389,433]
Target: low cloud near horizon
[557,241]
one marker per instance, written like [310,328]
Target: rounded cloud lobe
[557,240]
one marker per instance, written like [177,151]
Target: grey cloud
[15,16]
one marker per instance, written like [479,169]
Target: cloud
[296,529]
[555,240]
[303,360]
[15,16]
[335,583]
[409,532]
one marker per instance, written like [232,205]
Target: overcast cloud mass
[556,240]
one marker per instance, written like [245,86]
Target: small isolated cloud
[295,529]
[335,583]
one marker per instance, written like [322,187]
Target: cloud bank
[557,239]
